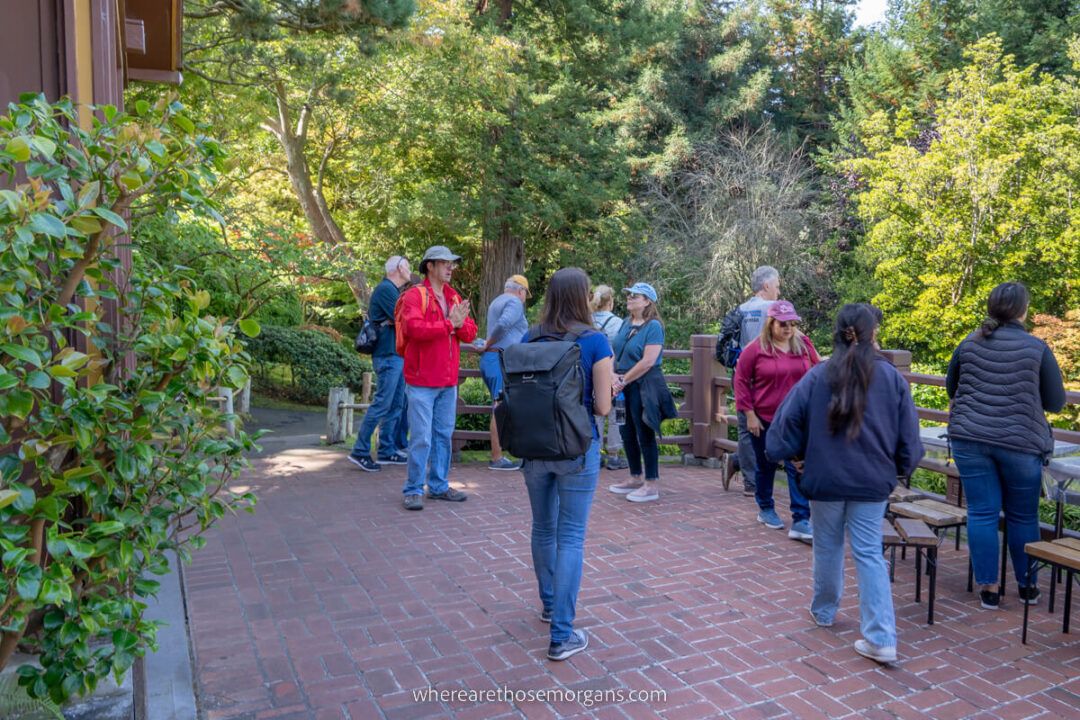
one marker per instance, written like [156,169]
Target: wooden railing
[704,402]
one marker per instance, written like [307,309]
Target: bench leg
[1068,600]
[1054,572]
[958,536]
[1023,635]
[931,565]
[918,574]
[892,565]
[971,576]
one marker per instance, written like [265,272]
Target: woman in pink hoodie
[766,372]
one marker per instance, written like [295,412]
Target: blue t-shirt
[594,348]
[630,350]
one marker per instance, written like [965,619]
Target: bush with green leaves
[316,363]
[112,449]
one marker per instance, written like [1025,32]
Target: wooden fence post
[245,399]
[703,430]
[334,424]
[901,359]
[230,421]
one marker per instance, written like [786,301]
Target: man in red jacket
[433,320]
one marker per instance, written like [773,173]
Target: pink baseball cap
[784,311]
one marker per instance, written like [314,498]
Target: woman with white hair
[606,321]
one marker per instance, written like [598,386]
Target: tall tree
[989,198]
[287,59]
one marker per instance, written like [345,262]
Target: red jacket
[763,380]
[432,354]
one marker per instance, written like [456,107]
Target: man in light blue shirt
[506,325]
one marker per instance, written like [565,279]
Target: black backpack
[367,338]
[729,341]
[541,412]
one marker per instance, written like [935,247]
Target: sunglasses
[635,296]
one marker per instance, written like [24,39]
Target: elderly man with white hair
[387,407]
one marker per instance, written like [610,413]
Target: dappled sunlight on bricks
[332,601]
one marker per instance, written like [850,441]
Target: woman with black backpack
[561,491]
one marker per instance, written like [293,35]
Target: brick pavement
[334,602]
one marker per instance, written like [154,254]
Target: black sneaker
[1029,595]
[395,459]
[414,502]
[569,647]
[545,616]
[365,463]
[989,599]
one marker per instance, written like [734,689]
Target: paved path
[334,602]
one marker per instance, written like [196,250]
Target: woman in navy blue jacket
[853,422]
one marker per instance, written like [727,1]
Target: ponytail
[850,368]
[1007,302]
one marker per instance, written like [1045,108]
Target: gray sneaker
[414,502]
[504,464]
[572,645]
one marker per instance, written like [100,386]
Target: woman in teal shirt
[638,348]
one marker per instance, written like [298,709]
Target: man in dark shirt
[388,404]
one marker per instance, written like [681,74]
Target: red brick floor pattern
[332,601]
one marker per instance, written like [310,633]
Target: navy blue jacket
[381,312]
[864,469]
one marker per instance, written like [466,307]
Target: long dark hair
[850,368]
[566,303]
[1007,302]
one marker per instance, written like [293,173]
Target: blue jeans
[863,521]
[432,412]
[491,372]
[766,478]
[561,493]
[386,408]
[994,478]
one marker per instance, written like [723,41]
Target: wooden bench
[1063,553]
[911,532]
[904,494]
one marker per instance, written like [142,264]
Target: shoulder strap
[609,319]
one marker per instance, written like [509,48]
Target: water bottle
[620,409]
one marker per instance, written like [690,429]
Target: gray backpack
[541,413]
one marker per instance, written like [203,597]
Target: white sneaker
[882,655]
[625,488]
[644,494]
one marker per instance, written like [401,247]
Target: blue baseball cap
[641,288]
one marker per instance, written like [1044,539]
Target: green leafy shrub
[112,452]
[315,362]
[473,392]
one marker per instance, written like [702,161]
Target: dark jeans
[996,478]
[766,477]
[385,411]
[639,440]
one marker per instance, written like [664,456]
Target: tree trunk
[503,255]
[503,252]
[310,195]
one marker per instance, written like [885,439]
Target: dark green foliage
[113,453]
[316,363]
